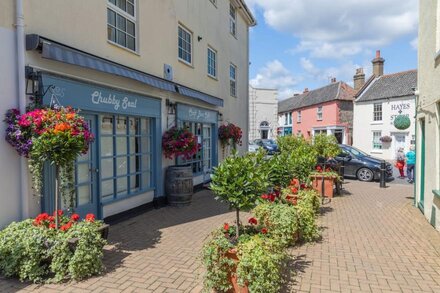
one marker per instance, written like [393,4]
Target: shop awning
[59,52]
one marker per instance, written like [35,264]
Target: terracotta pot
[328,185]
[232,254]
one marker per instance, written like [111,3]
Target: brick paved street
[373,241]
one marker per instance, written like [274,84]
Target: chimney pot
[377,53]
[378,63]
[306,90]
[333,80]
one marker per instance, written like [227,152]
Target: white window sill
[186,63]
[376,123]
[122,47]
[212,77]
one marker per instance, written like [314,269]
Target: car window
[357,152]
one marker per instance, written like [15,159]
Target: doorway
[339,134]
[399,142]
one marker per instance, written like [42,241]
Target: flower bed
[35,250]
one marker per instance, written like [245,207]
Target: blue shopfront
[204,124]
[123,166]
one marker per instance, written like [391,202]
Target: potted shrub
[326,147]
[37,251]
[179,142]
[242,256]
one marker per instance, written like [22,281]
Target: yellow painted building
[428,113]
[131,66]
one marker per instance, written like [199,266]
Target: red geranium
[226,226]
[90,217]
[253,221]
[179,142]
[264,230]
[74,217]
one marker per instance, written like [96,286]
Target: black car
[268,144]
[360,165]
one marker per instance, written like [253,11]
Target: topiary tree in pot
[240,181]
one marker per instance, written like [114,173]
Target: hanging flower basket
[386,139]
[230,134]
[56,135]
[179,142]
[402,122]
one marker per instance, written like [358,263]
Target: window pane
[130,9]
[145,126]
[107,189]
[121,184]
[130,28]
[121,145]
[131,43]
[135,183]
[106,146]
[121,166]
[121,4]
[84,194]
[107,168]
[120,38]
[111,17]
[112,2]
[135,162]
[145,163]
[121,22]
[145,143]
[83,173]
[111,34]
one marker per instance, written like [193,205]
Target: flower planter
[232,254]
[328,185]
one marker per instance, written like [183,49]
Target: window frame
[377,145]
[377,113]
[233,80]
[214,2]
[128,17]
[298,117]
[210,49]
[232,20]
[319,113]
[179,48]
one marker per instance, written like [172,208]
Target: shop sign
[85,96]
[195,114]
[399,108]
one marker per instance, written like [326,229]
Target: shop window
[201,162]
[125,156]
[121,23]
[185,45]
[377,112]
[377,144]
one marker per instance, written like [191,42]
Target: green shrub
[261,264]
[41,254]
[281,221]
[326,146]
[308,207]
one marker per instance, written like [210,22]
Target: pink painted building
[328,110]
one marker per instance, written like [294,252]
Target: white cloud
[275,75]
[415,43]
[339,28]
[344,71]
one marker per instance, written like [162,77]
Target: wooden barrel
[179,185]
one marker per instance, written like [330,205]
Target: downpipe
[21,89]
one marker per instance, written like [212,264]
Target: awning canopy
[59,52]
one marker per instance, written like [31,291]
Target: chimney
[295,95]
[359,79]
[378,64]
[306,90]
[333,80]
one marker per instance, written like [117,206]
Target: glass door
[86,174]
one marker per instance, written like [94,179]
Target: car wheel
[365,174]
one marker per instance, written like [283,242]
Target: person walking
[400,162]
[410,162]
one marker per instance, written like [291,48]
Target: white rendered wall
[263,106]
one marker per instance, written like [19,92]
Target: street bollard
[383,166]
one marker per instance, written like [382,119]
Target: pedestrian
[400,162]
[410,162]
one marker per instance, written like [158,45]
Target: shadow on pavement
[294,266]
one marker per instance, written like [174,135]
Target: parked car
[268,144]
[360,165]
[252,147]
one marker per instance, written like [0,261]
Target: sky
[300,44]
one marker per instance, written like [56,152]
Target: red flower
[328,170]
[90,217]
[66,227]
[52,226]
[318,168]
[253,221]
[294,190]
[226,226]
[51,218]
[272,197]
[303,186]
[60,213]
[265,196]
[294,182]
[264,230]
[74,217]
